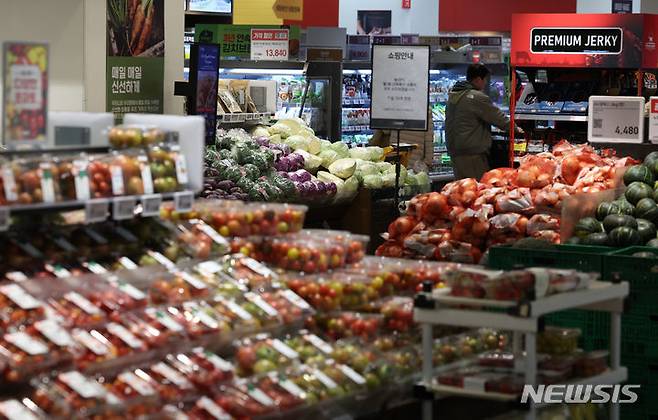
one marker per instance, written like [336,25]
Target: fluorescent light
[435,71]
[363,71]
[263,71]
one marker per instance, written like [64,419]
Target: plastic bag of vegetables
[343,168]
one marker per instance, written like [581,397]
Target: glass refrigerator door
[356,107]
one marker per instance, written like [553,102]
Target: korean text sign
[400,80]
[269,44]
[25,92]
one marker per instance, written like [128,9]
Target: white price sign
[653,119]
[123,208]
[183,201]
[617,119]
[151,205]
[400,87]
[96,210]
[270,44]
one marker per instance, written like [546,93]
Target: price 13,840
[270,52]
[629,130]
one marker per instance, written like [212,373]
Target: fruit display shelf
[525,319]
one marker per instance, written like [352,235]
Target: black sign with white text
[576,40]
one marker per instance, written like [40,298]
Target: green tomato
[263,366]
[158,170]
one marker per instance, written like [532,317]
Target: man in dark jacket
[469,116]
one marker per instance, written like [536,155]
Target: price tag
[181,169]
[86,388]
[151,205]
[86,339]
[117,180]
[475,383]
[47,184]
[258,268]
[147,180]
[11,192]
[123,208]
[262,304]
[14,410]
[82,303]
[96,210]
[127,263]
[164,319]
[210,232]
[27,343]
[217,361]
[5,219]
[193,281]
[208,268]
[289,386]
[520,147]
[59,271]
[258,395]
[615,119]
[269,44]
[171,375]
[131,291]
[295,299]
[283,348]
[124,335]
[183,201]
[162,260]
[213,409]
[352,374]
[319,343]
[653,119]
[137,383]
[95,267]
[54,332]
[322,377]
[16,276]
[238,310]
[81,180]
[20,297]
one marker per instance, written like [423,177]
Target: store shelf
[602,296]
[549,117]
[609,377]
[442,177]
[243,117]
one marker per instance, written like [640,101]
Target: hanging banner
[25,100]
[400,87]
[269,44]
[135,57]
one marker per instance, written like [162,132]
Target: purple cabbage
[301,175]
[263,141]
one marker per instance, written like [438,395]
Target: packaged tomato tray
[100,176]
[17,306]
[80,394]
[261,354]
[241,319]
[136,393]
[202,323]
[304,254]
[164,287]
[248,403]
[269,391]
[558,341]
[203,368]
[134,135]
[130,173]
[71,178]
[356,245]
[200,240]
[15,410]
[30,181]
[311,348]
[171,385]
[159,330]
[24,356]
[249,272]
[168,168]
[202,409]
[349,324]
[591,364]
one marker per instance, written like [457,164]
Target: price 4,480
[629,130]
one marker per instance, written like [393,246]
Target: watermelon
[653,243]
[600,239]
[638,173]
[624,206]
[646,209]
[617,220]
[574,240]
[604,209]
[586,226]
[644,254]
[651,159]
[624,236]
[637,191]
[646,229]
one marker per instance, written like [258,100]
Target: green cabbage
[364,168]
[343,168]
[340,148]
[311,162]
[298,142]
[373,182]
[325,144]
[327,177]
[260,131]
[348,190]
[314,145]
[328,157]
[388,180]
[282,129]
[385,167]
[276,139]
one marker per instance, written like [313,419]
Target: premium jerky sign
[576,40]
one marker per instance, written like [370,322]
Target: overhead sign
[270,44]
[400,87]
[25,99]
[576,40]
[615,119]
[289,9]
[653,119]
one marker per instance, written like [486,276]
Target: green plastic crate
[579,257]
[641,273]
